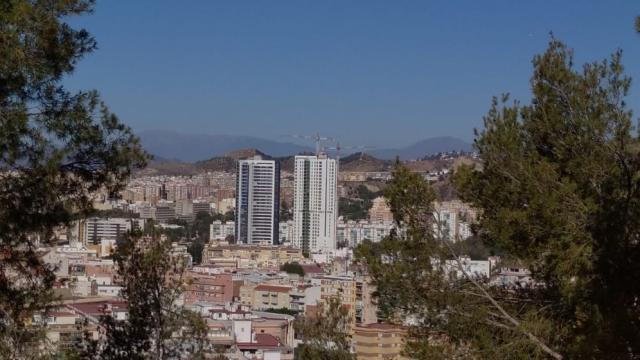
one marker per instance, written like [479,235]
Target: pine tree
[157,327]
[326,335]
[57,149]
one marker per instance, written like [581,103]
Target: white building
[97,230]
[257,202]
[315,206]
[352,233]
[453,220]
[219,231]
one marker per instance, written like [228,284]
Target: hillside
[424,147]
[227,163]
[362,162]
[358,162]
[195,147]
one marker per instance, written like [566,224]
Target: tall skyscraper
[257,202]
[315,206]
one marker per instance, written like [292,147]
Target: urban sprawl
[260,219]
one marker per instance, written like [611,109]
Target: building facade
[257,202]
[379,341]
[315,207]
[109,229]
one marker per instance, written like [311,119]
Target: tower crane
[317,138]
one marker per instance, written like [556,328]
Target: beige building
[246,294]
[250,256]
[379,341]
[340,287]
[366,308]
[380,211]
[267,296]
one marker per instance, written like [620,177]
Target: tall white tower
[257,202]
[315,206]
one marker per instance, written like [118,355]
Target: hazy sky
[380,73]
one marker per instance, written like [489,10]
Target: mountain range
[170,145]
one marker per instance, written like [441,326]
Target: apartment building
[379,341]
[216,289]
[257,202]
[315,206]
[108,229]
[246,256]
[268,296]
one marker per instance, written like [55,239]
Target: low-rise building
[216,289]
[267,296]
[251,256]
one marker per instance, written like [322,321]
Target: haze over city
[373,73]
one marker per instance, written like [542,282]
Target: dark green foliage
[115,213]
[195,250]
[292,268]
[357,208]
[56,149]
[453,317]
[560,191]
[475,248]
[201,225]
[282,311]
[286,213]
[326,336]
[228,216]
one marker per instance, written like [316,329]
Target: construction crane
[317,138]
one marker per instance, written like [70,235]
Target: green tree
[292,268]
[157,327]
[560,190]
[285,212]
[325,336]
[451,316]
[57,148]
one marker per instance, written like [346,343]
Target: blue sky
[380,73]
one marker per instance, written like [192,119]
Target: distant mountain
[227,163]
[166,144]
[361,162]
[427,146]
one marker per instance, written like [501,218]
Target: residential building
[380,211]
[379,341]
[453,219]
[246,256]
[268,296]
[257,202]
[109,229]
[315,206]
[216,289]
[219,231]
[352,233]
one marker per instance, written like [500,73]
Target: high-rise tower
[257,202]
[315,203]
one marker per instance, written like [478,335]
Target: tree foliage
[292,268]
[57,148]
[325,336]
[157,327]
[449,316]
[560,190]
